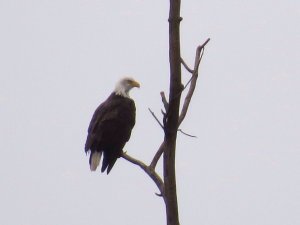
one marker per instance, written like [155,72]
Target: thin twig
[185,86]
[148,170]
[193,136]
[162,126]
[207,40]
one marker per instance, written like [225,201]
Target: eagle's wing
[107,111]
[96,120]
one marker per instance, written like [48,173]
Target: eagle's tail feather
[108,162]
[111,164]
[104,164]
[95,158]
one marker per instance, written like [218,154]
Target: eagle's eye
[129,82]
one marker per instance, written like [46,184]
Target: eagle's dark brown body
[110,129]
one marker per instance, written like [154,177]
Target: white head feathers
[125,85]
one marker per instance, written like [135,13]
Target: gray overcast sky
[60,59]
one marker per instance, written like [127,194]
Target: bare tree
[172,117]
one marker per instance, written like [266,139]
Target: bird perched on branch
[111,125]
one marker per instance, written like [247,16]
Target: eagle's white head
[125,85]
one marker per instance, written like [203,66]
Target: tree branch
[193,82]
[193,136]
[157,156]
[164,100]
[157,120]
[148,170]
[186,66]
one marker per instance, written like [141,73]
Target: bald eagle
[111,125]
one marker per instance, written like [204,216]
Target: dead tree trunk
[172,115]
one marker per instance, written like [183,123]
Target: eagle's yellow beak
[135,84]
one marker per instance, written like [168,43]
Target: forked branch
[192,81]
[150,170]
